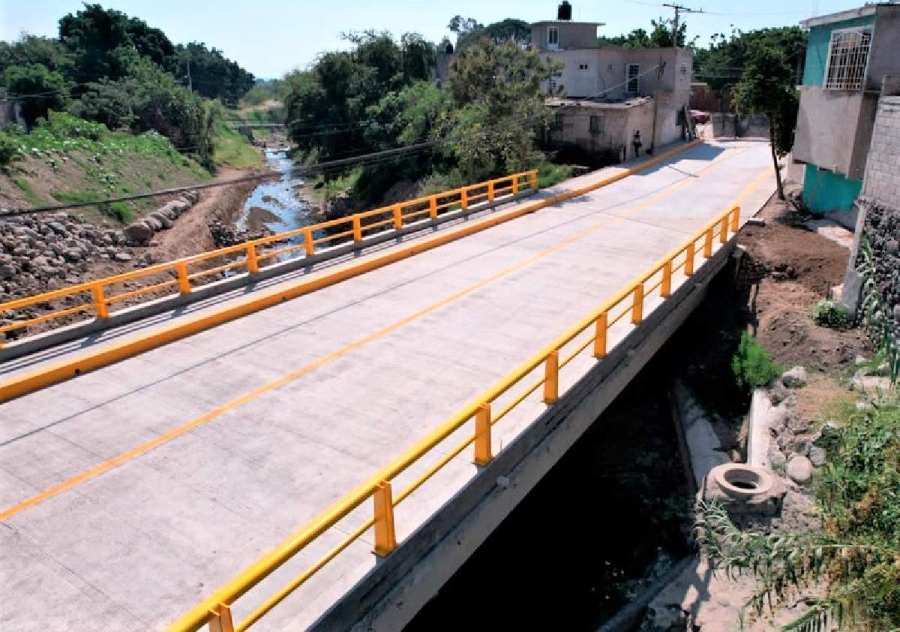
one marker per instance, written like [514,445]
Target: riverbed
[276,205]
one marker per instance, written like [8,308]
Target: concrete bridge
[330,460]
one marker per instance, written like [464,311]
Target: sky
[273,37]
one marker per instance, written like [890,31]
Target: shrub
[47,90]
[9,149]
[832,315]
[752,364]
[119,211]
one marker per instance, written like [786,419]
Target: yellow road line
[271,386]
[90,361]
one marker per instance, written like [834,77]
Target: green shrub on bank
[832,315]
[550,174]
[752,364]
[9,149]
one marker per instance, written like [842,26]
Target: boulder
[153,223]
[164,221]
[122,257]
[800,470]
[73,254]
[817,455]
[795,378]
[140,232]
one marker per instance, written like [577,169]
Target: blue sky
[271,37]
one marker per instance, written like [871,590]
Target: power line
[678,9]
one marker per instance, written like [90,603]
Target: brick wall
[882,182]
[879,204]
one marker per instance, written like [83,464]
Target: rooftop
[555,102]
[542,22]
[843,16]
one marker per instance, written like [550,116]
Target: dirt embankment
[786,272]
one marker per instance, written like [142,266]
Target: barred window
[847,59]
[633,76]
[596,125]
[556,124]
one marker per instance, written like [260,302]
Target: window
[582,66]
[633,79]
[683,70]
[553,38]
[596,125]
[847,59]
[557,123]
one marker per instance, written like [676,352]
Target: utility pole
[678,9]
[190,82]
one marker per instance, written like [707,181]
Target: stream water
[277,202]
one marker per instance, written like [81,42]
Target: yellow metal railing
[591,332]
[96,298]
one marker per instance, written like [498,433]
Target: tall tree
[498,108]
[767,87]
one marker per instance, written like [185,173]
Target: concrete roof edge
[567,22]
[842,16]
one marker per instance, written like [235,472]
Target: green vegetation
[858,553]
[109,68]
[752,364]
[832,315]
[767,86]
[232,148]
[877,320]
[30,195]
[484,122]
[550,174]
[858,491]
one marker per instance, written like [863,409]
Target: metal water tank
[564,12]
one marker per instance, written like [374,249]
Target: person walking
[637,143]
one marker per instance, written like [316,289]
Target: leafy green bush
[118,210]
[9,149]
[752,364]
[550,174]
[47,89]
[832,315]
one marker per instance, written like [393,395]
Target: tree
[721,64]
[212,75]
[659,37]
[39,90]
[498,109]
[767,87]
[31,49]
[107,102]
[99,42]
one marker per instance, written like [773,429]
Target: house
[849,56]
[602,96]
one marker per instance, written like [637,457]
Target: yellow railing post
[398,217]
[432,207]
[491,191]
[515,184]
[385,536]
[551,378]
[357,229]
[689,259]
[220,619]
[464,198]
[600,338]
[184,283]
[534,180]
[100,305]
[637,309]
[483,454]
[708,244]
[735,219]
[723,232]
[308,242]
[252,261]
[666,290]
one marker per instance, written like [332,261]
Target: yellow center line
[105,466]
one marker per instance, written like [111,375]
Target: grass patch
[233,149]
[76,197]
[550,174]
[31,195]
[120,211]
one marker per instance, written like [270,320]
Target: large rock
[800,470]
[153,223]
[162,219]
[139,232]
[795,378]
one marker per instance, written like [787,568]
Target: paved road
[226,442]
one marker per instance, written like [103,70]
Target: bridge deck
[228,441]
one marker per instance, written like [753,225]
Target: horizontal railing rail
[99,298]
[485,411]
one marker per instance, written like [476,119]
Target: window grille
[634,78]
[596,125]
[847,59]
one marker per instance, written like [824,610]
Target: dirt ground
[787,271]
